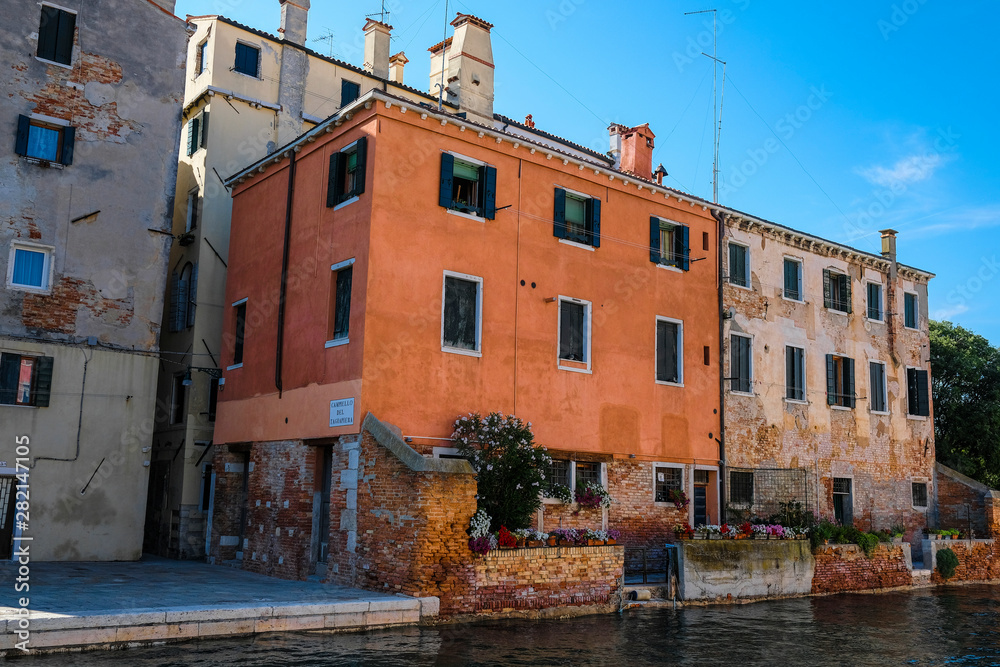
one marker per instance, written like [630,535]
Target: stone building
[246,92]
[91,104]
[827,388]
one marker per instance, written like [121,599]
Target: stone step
[921,577]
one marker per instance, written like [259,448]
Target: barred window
[741,487]
[558,474]
[919,494]
[587,473]
[667,480]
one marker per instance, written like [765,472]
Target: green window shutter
[192,300]
[923,396]
[175,298]
[847,293]
[654,240]
[192,142]
[48,30]
[490,194]
[911,391]
[594,221]
[332,180]
[23,127]
[849,382]
[10,367]
[204,129]
[359,178]
[559,215]
[64,41]
[447,179]
[43,381]
[68,143]
[683,248]
[827,290]
[831,380]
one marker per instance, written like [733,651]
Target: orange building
[417,264]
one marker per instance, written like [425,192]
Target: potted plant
[897,533]
[552,539]
[560,492]
[593,496]
[536,538]
[506,539]
[594,538]
[613,536]
[678,498]
[521,535]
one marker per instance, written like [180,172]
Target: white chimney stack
[396,64]
[377,48]
[294,17]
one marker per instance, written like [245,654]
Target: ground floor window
[667,480]
[919,494]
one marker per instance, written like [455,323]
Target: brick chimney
[294,17]
[377,48]
[632,148]
[396,64]
[467,61]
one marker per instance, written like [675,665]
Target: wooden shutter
[654,240]
[911,391]
[790,391]
[342,306]
[831,379]
[661,351]
[559,215]
[23,128]
[827,290]
[332,180]
[683,247]
[594,221]
[48,30]
[213,399]
[192,296]
[791,280]
[204,129]
[447,179]
[175,297]
[490,194]
[923,395]
[360,166]
[68,143]
[849,382]
[192,143]
[10,367]
[64,38]
[847,293]
[43,381]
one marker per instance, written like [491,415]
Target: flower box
[552,541]
[611,542]
[534,543]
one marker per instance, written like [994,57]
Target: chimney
[616,131]
[659,174]
[396,64]
[529,122]
[294,16]
[636,150]
[377,48]
[889,244]
[467,61]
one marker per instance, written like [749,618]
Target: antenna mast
[716,99]
[328,38]
[383,15]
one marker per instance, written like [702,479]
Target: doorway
[700,497]
[843,501]
[8,488]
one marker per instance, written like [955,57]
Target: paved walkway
[157,599]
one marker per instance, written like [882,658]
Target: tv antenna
[717,99]
[327,37]
[383,15]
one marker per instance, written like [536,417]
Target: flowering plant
[595,535]
[711,529]
[537,535]
[568,534]
[614,534]
[510,469]
[523,533]
[480,524]
[560,492]
[483,545]
[593,495]
[684,531]
[505,538]
[678,498]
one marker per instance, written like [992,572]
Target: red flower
[506,538]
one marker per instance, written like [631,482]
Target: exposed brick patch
[955,503]
[844,567]
[978,560]
[57,311]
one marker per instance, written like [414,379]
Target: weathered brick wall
[844,567]
[557,515]
[960,501]
[228,506]
[978,560]
[643,522]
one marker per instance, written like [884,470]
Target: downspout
[720,218]
[284,272]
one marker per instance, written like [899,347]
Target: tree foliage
[509,467]
[965,372]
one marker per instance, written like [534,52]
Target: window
[667,480]
[919,490]
[349,91]
[836,291]
[572,475]
[793,279]
[843,502]
[346,178]
[30,267]
[875,302]
[577,218]
[55,35]
[877,386]
[461,319]
[49,142]
[343,278]
[669,351]
[839,381]
[917,397]
[178,399]
[795,373]
[557,475]
[247,60]
[183,297]
[238,340]
[574,331]
[740,363]
[25,380]
[197,133]
[741,487]
[193,210]
[739,264]
[199,58]
[468,187]
[909,310]
[668,244]
[587,473]
[213,398]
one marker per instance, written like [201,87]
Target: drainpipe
[720,218]
[284,272]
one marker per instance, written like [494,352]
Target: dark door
[323,541]
[843,503]
[700,505]
[7,491]
[244,500]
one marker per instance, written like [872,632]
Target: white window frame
[667,464]
[479,163]
[881,289]
[240,302]
[805,373]
[334,268]
[201,57]
[854,488]
[730,375]
[347,202]
[576,195]
[801,274]
[834,271]
[927,486]
[885,387]
[587,334]
[916,310]
[478,352]
[675,225]
[74,53]
[749,267]
[193,206]
[680,351]
[47,268]
[260,59]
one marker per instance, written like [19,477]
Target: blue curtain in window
[43,143]
[29,268]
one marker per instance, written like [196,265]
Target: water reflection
[953,625]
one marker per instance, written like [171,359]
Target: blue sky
[840,119]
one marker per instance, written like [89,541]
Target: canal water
[958,625]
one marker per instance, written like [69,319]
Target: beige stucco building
[826,385]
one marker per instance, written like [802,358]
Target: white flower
[518,486]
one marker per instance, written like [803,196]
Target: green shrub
[868,543]
[947,561]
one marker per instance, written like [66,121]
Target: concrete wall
[736,569]
[106,219]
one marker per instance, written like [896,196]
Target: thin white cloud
[911,169]
[948,313]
